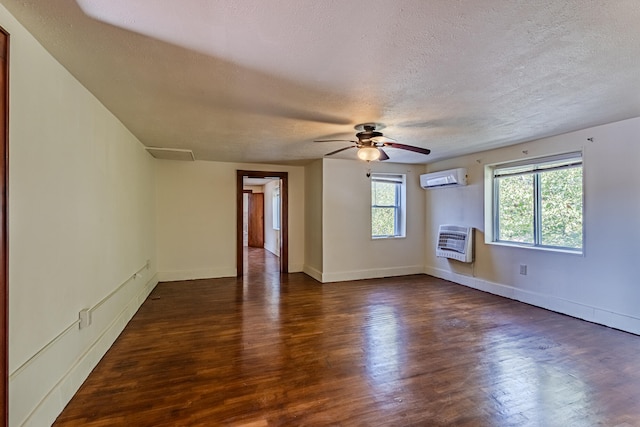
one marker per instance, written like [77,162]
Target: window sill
[579,252]
[387,237]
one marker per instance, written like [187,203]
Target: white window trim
[402,208]
[489,203]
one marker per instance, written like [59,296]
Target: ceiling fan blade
[408,147]
[334,140]
[383,155]
[342,149]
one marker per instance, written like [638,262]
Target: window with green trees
[387,205]
[539,202]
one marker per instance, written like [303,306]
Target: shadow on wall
[482,265]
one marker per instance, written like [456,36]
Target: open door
[284,216]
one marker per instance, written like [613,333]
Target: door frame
[4,255]
[284,216]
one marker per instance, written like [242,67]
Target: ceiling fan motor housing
[365,136]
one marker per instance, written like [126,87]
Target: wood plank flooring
[272,350]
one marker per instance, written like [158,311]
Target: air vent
[455,242]
[171,154]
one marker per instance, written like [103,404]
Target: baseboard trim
[296,268]
[212,273]
[62,383]
[312,272]
[589,313]
[274,250]
[344,276]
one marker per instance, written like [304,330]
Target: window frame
[535,167]
[400,209]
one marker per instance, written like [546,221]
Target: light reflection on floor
[382,347]
[526,388]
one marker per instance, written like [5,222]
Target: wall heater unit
[455,242]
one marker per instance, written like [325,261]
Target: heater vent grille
[455,242]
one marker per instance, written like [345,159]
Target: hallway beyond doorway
[260,262]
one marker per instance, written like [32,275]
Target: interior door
[256,220]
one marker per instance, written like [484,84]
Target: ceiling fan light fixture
[371,143]
[368,153]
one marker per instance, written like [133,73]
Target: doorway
[253,221]
[252,230]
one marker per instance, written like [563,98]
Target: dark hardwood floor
[272,350]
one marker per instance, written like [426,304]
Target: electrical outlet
[523,269]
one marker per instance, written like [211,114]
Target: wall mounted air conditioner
[448,178]
[455,242]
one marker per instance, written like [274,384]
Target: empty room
[380,213]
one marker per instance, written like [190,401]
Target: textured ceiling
[257,81]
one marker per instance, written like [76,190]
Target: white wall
[245,219]
[196,217]
[271,236]
[81,209]
[313,219]
[348,251]
[601,286]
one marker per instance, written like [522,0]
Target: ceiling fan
[371,141]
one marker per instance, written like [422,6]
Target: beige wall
[600,286]
[313,220]
[348,251]
[81,208]
[196,217]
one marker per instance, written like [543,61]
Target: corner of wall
[310,271]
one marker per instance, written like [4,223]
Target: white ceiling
[258,181]
[258,81]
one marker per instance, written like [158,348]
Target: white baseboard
[312,272]
[207,273]
[575,309]
[296,268]
[41,388]
[344,276]
[273,249]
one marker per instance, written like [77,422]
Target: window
[387,205]
[538,202]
